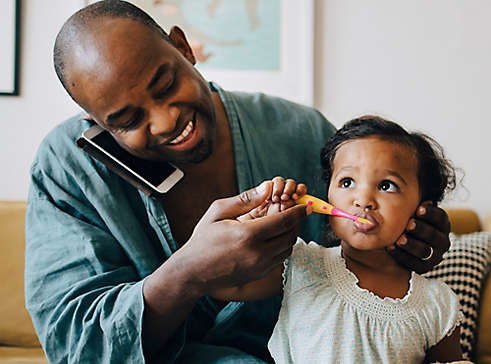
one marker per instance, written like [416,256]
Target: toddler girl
[353,303]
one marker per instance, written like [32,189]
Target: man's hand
[425,240]
[225,251]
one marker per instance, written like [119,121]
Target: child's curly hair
[436,174]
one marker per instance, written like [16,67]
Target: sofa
[18,341]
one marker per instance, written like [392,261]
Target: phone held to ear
[152,177]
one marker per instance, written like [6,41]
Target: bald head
[81,24]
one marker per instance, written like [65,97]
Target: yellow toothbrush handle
[322,207]
[317,204]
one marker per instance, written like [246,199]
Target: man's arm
[83,294]
[222,252]
[447,350]
[89,302]
[268,286]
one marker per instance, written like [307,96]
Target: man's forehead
[114,52]
[112,37]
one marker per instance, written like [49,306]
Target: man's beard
[202,151]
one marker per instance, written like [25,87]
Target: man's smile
[187,138]
[185,133]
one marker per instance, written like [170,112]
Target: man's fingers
[284,205]
[434,216]
[280,258]
[429,234]
[259,211]
[409,260]
[280,244]
[268,227]
[419,249]
[233,207]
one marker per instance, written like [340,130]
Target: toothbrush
[323,207]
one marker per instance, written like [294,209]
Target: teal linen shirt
[92,238]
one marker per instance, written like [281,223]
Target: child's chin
[367,244]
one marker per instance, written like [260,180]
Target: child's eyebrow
[345,169]
[396,174]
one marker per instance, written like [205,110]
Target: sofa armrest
[483,345]
[487,223]
[463,221]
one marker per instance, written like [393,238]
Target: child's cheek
[337,226]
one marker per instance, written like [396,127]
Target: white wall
[425,64]
[42,103]
[422,63]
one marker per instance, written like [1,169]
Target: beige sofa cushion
[9,355]
[15,323]
[463,221]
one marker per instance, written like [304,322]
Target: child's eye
[388,186]
[346,183]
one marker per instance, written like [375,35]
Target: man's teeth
[184,133]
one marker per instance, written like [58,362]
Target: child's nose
[365,201]
[364,205]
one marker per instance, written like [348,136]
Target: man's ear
[91,119]
[179,40]
[88,117]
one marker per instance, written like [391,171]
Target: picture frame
[290,77]
[294,78]
[9,45]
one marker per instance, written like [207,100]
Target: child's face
[377,180]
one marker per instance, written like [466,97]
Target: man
[114,276]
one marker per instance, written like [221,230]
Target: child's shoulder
[440,312]
[437,290]
[308,252]
[307,265]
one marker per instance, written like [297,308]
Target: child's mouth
[364,228]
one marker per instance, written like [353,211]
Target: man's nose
[163,120]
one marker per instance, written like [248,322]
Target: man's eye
[346,183]
[134,121]
[388,186]
[165,90]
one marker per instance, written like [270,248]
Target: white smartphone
[152,177]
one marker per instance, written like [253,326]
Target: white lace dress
[327,318]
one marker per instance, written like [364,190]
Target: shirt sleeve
[303,268]
[445,314]
[83,293]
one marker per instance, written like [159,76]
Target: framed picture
[246,45]
[9,47]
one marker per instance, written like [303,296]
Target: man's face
[377,180]
[144,91]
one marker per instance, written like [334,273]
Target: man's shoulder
[262,104]
[70,129]
[60,143]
